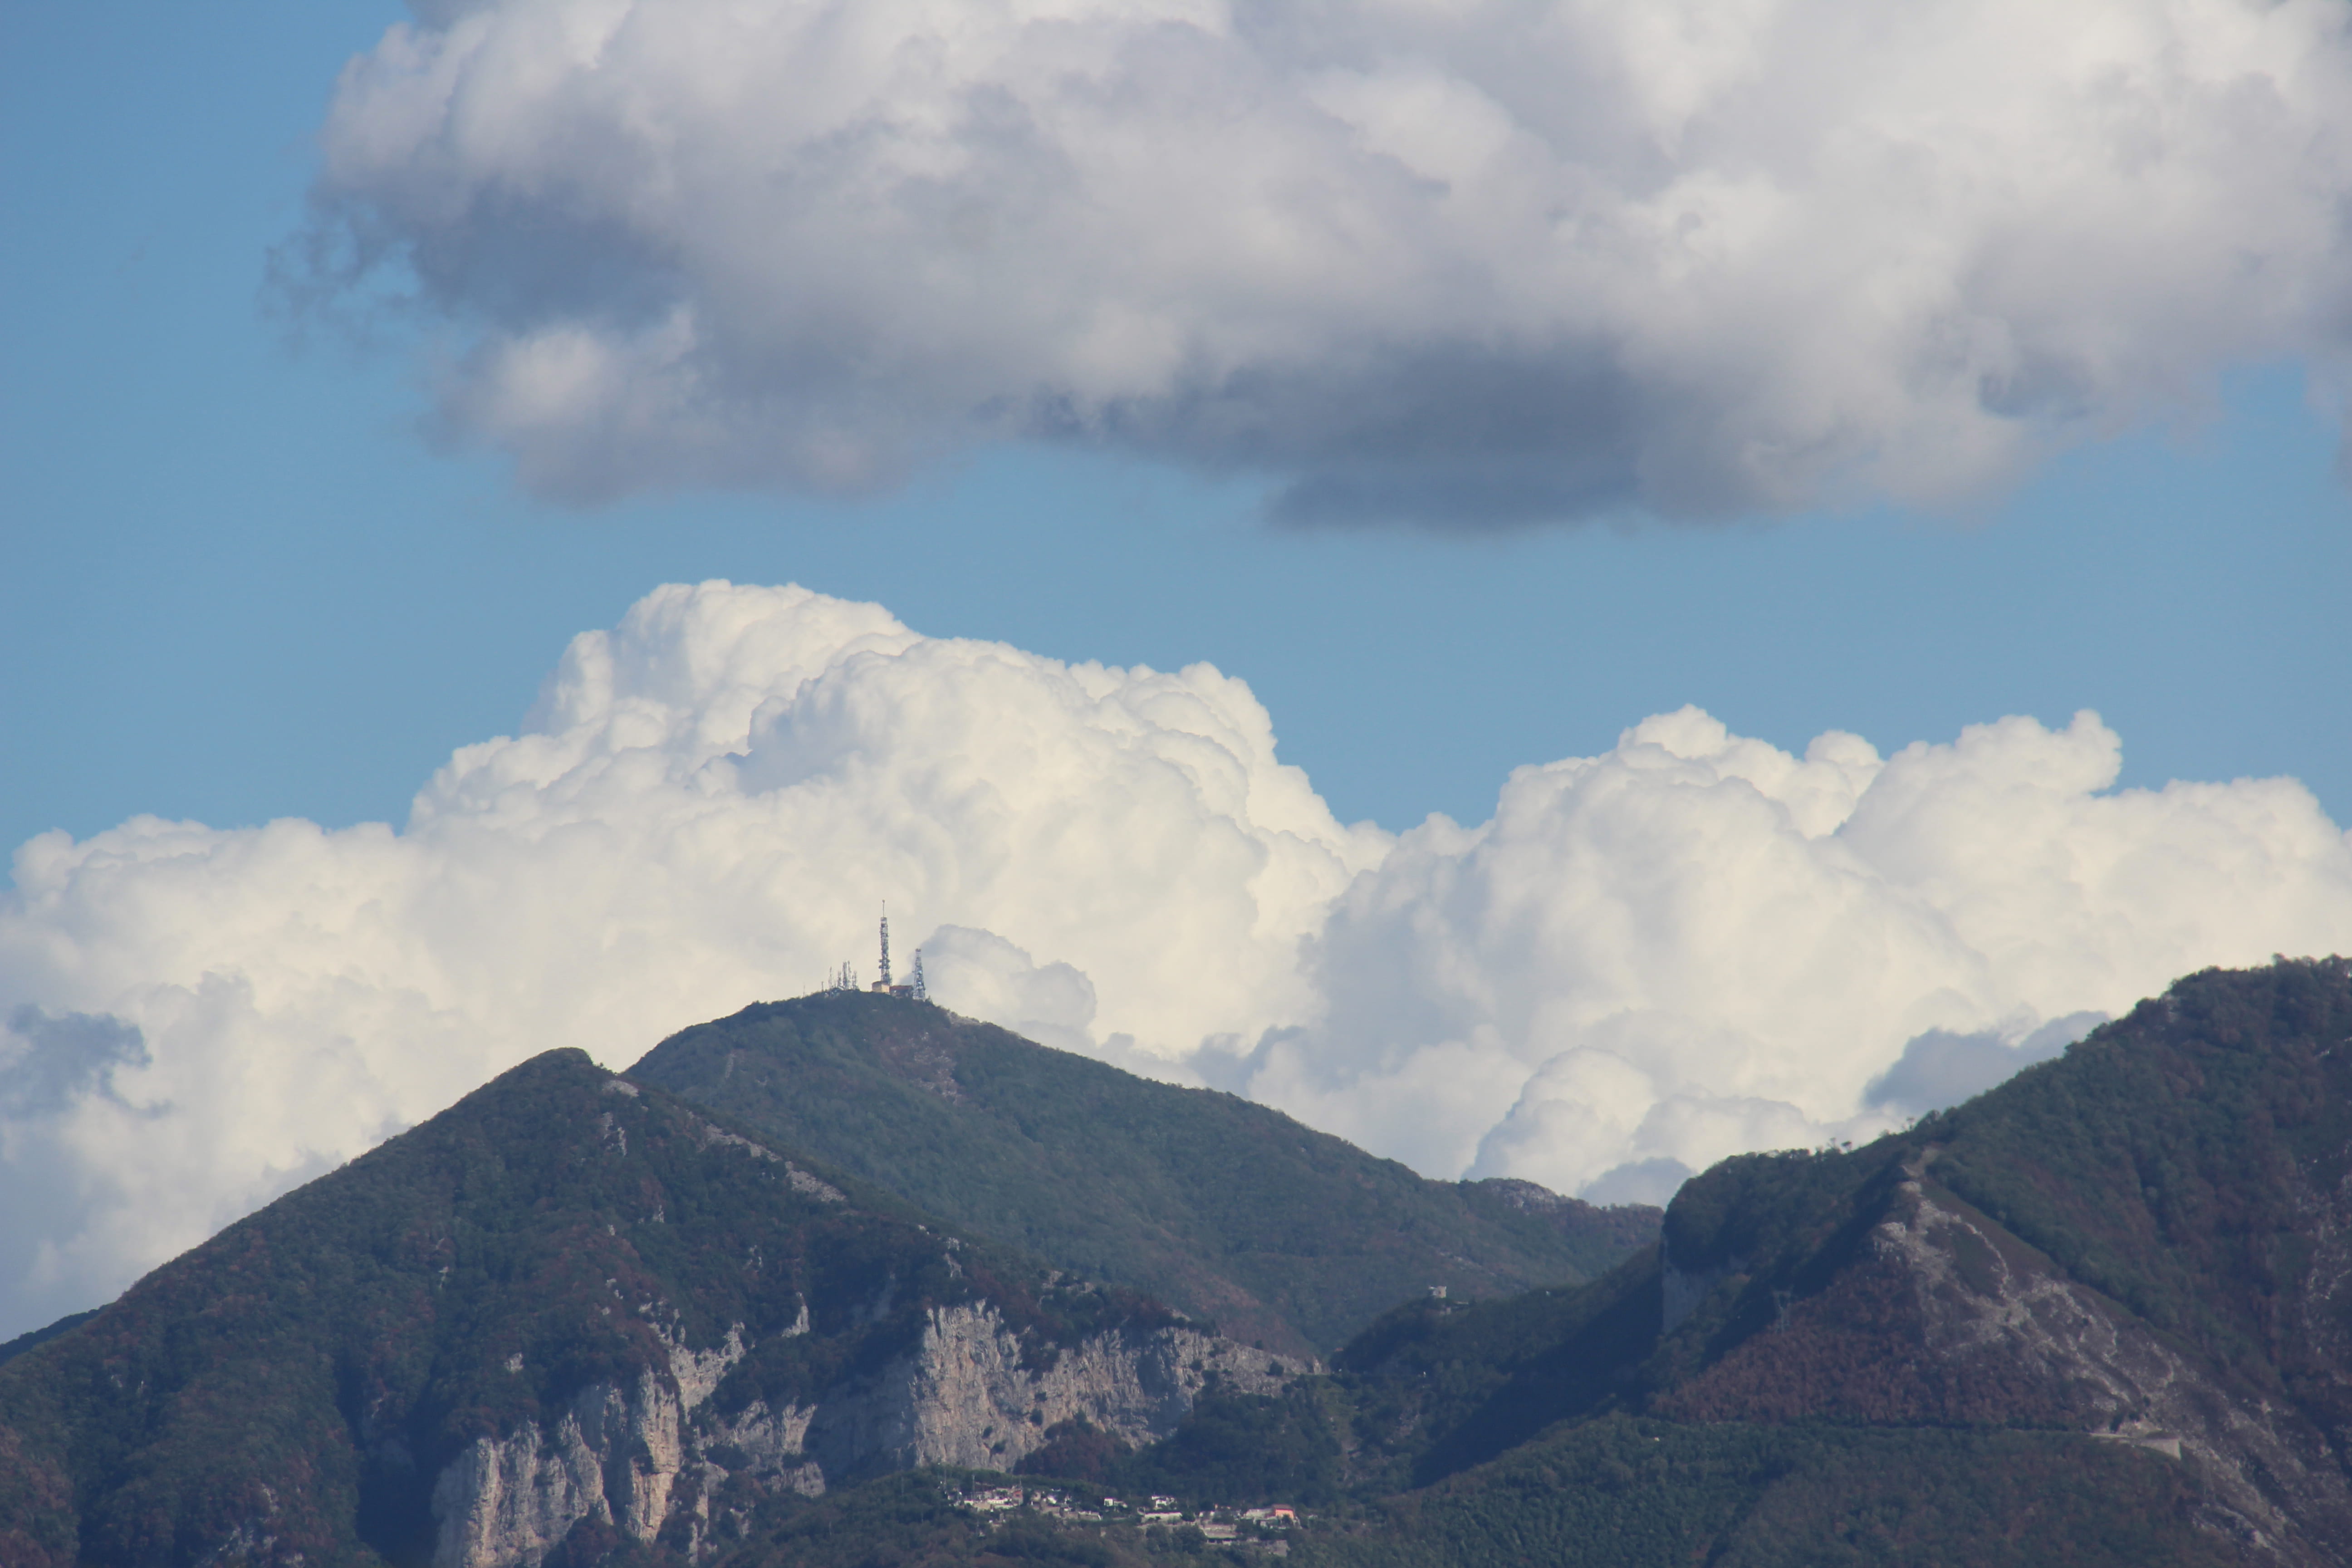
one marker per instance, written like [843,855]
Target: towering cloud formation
[1698,945]
[1691,946]
[1473,264]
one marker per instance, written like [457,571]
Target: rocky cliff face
[1945,1319]
[612,1456]
[1987,1312]
[2149,1243]
[970,1394]
[649,1456]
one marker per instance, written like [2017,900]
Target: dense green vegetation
[1616,1493]
[1624,1493]
[38,1337]
[1246,1449]
[1279,1235]
[1619,1493]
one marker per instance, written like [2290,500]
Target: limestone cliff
[612,1456]
[970,1392]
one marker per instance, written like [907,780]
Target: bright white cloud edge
[1691,946]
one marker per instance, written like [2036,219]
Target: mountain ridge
[1231,1210]
[2137,1254]
[569,1306]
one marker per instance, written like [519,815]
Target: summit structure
[914,990]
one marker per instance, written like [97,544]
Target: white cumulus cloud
[1691,946]
[1472,265]
[1698,945]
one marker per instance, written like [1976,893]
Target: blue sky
[242,583]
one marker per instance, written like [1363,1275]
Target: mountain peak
[570,1303]
[1233,1211]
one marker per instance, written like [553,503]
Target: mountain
[2099,1317]
[572,1320]
[1232,1211]
[2102,1314]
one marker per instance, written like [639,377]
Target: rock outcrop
[612,1456]
[641,1456]
[1984,1310]
[1945,1317]
[971,1394]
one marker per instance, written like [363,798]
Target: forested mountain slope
[2113,1296]
[1233,1212]
[571,1319]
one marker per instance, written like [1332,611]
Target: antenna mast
[920,994]
[885,986]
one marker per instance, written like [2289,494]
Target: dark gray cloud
[1940,1069]
[1653,1181]
[1472,437]
[1482,265]
[48,1062]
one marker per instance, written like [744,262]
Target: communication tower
[886,986]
